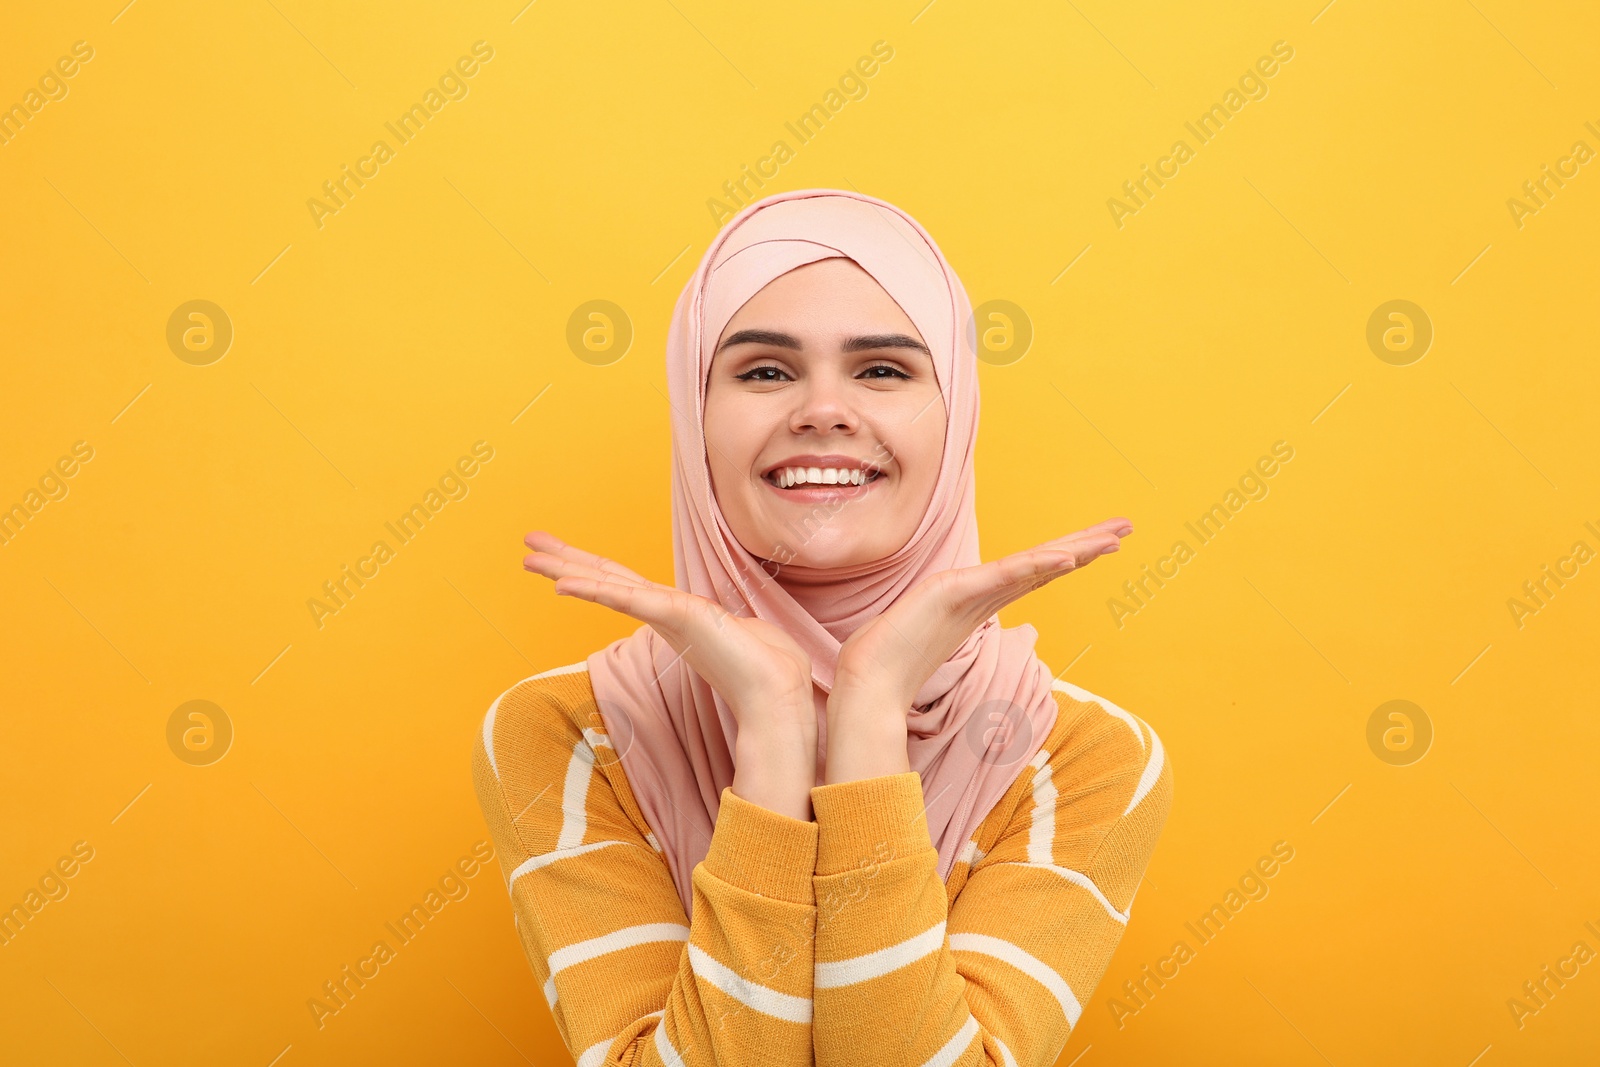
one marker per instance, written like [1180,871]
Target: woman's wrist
[775,766]
[867,736]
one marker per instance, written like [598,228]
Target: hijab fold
[983,714]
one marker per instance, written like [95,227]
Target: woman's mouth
[812,484]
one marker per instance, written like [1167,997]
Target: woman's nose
[824,404]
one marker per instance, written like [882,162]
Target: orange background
[1171,347]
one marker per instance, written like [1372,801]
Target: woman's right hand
[759,670]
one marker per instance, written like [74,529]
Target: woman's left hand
[885,662]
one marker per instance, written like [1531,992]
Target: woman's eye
[769,373]
[896,371]
[758,374]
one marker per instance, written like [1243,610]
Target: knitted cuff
[869,821]
[763,852]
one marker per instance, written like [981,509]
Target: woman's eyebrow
[851,344]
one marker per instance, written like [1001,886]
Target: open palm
[756,667]
[894,654]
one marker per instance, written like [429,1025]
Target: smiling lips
[820,477]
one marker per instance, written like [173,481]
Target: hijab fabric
[981,716]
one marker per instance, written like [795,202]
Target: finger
[649,604]
[1011,577]
[1100,532]
[1119,526]
[552,566]
[548,543]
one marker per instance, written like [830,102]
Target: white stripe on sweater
[751,994]
[488,720]
[1025,962]
[1152,767]
[533,863]
[1042,832]
[1089,698]
[627,937]
[664,1049]
[1152,771]
[1080,879]
[595,1054]
[1011,1061]
[575,796]
[879,963]
[957,1044]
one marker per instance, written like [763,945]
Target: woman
[866,824]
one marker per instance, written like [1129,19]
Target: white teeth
[790,476]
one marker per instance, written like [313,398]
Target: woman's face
[822,370]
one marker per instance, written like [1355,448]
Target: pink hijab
[985,711]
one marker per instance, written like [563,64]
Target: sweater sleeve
[629,980]
[999,975]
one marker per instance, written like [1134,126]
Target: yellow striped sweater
[826,943]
